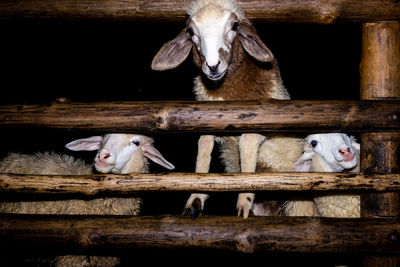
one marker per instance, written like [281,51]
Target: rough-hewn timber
[189,116]
[305,11]
[124,184]
[274,234]
[380,79]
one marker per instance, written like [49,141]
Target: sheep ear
[252,43]
[303,164]
[173,53]
[152,153]
[87,144]
[354,143]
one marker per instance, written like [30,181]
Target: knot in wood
[328,13]
[161,119]
[244,243]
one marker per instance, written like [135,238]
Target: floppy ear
[252,43]
[303,164]
[87,144]
[173,53]
[152,153]
[354,143]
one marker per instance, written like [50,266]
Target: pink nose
[346,153]
[104,156]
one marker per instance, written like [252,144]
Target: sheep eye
[190,31]
[235,25]
[314,143]
[136,143]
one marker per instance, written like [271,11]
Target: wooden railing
[375,116]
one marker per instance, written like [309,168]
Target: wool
[117,153]
[327,204]
[235,65]
[50,163]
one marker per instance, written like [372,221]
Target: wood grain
[305,11]
[380,79]
[131,183]
[189,116]
[273,234]
[380,64]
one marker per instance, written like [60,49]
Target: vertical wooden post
[380,79]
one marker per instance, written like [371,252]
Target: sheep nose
[103,156]
[214,67]
[344,151]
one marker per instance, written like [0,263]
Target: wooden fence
[375,116]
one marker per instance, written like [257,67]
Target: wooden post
[380,79]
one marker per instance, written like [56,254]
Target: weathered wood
[305,11]
[189,116]
[273,234]
[380,65]
[380,79]
[380,155]
[124,184]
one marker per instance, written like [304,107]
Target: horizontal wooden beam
[305,11]
[216,116]
[131,183]
[273,234]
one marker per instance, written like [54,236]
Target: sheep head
[214,29]
[117,152]
[333,152]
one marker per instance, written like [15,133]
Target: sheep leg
[248,147]
[195,204]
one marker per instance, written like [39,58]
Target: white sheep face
[336,149]
[117,153]
[212,31]
[212,28]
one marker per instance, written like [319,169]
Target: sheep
[332,152]
[117,153]
[224,44]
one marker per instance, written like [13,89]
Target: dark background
[110,61]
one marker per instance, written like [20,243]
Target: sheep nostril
[104,156]
[214,67]
[344,151]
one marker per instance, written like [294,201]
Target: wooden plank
[305,11]
[131,183]
[189,116]
[273,234]
[380,79]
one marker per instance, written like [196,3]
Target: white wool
[328,204]
[222,49]
[280,152]
[124,156]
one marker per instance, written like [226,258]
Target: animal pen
[374,238]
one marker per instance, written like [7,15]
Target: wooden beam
[131,183]
[273,234]
[305,11]
[214,116]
